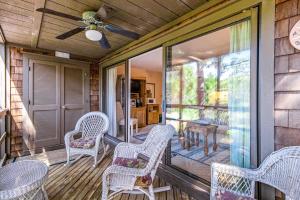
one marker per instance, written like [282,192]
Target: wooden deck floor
[81,181]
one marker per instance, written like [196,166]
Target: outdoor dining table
[23,180]
[200,127]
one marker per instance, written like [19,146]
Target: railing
[3,134]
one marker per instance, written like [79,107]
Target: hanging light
[92,33]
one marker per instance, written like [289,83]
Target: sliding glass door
[205,85]
[210,85]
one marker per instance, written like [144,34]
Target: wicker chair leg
[151,193]
[95,159]
[44,193]
[68,157]
[104,189]
[70,162]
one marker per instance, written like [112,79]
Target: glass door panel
[208,94]
[115,102]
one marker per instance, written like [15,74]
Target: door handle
[64,107]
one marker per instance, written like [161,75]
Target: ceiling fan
[94,26]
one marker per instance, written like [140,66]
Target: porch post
[266,89]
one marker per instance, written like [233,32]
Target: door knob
[63,107]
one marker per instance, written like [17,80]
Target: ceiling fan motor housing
[90,18]
[88,15]
[92,27]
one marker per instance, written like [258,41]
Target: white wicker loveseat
[92,127]
[124,179]
[281,170]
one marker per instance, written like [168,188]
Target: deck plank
[82,181]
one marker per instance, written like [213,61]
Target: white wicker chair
[281,170]
[91,125]
[121,179]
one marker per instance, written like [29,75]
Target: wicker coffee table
[23,180]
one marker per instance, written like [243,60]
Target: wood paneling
[22,25]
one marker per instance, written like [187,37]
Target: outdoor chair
[279,170]
[92,127]
[133,122]
[130,174]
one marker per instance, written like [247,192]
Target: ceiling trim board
[37,22]
[2,35]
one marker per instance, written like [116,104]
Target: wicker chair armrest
[127,150]
[237,180]
[69,136]
[98,139]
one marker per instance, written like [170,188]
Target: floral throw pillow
[142,181]
[84,143]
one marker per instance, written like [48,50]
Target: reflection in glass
[208,100]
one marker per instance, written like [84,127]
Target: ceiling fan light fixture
[93,35]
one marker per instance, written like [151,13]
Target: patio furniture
[279,170]
[121,120]
[196,128]
[23,180]
[92,127]
[130,174]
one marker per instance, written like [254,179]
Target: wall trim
[266,134]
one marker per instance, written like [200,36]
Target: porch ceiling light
[93,35]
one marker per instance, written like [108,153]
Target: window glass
[208,100]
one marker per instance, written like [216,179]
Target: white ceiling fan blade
[105,12]
[102,12]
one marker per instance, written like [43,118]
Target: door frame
[25,111]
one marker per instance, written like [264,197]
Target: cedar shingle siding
[94,87]
[16,104]
[287,76]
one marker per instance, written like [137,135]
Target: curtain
[111,100]
[239,94]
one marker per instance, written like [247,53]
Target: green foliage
[189,92]
[210,85]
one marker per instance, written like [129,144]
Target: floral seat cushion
[84,143]
[143,181]
[225,195]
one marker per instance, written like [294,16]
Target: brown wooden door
[44,104]
[74,96]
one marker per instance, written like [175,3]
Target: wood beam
[37,22]
[2,36]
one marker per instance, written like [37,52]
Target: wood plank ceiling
[21,24]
